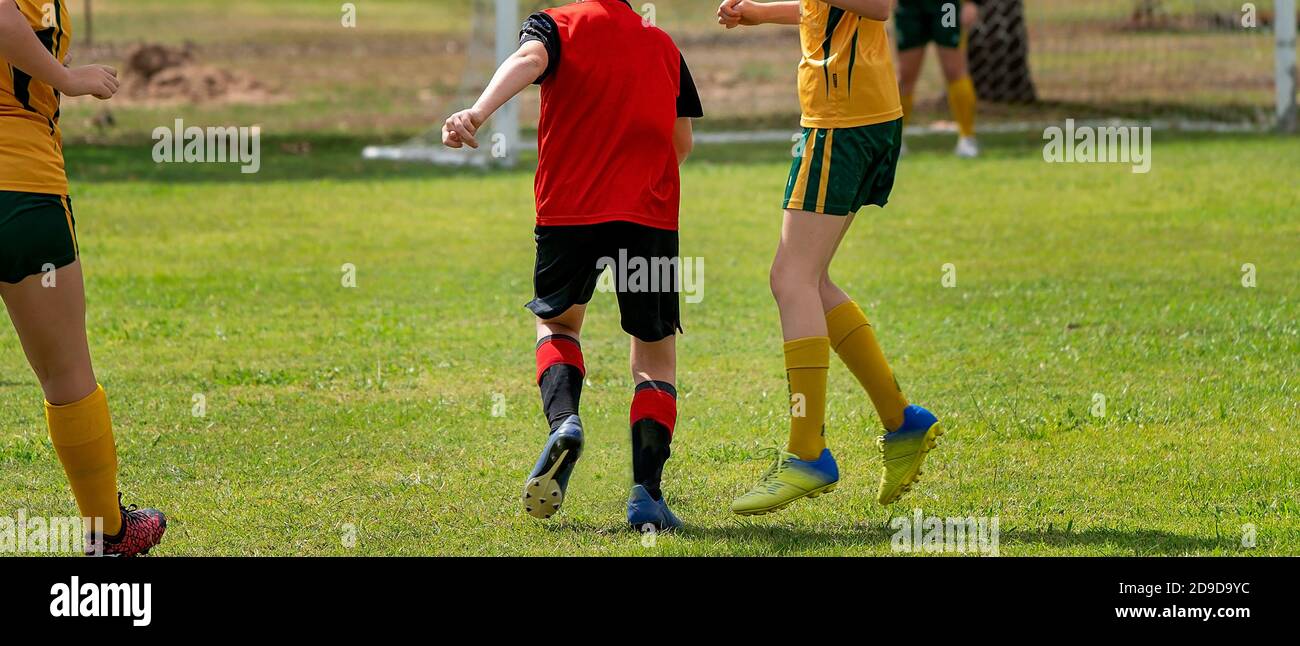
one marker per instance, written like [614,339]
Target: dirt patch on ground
[162,74]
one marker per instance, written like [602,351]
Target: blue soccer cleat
[544,491]
[643,510]
[788,480]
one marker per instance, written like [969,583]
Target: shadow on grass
[783,538]
[1143,542]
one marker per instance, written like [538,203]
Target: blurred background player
[944,23]
[617,104]
[852,137]
[40,270]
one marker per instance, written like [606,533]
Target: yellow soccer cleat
[904,450]
[787,480]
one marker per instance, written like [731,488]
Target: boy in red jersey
[617,104]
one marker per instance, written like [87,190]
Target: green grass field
[360,421]
[333,408]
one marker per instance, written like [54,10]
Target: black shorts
[645,274]
[37,234]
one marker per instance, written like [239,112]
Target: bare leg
[909,70]
[49,313]
[568,324]
[953,62]
[831,294]
[51,324]
[808,243]
[654,361]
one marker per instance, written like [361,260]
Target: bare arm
[869,9]
[19,46]
[736,13]
[518,72]
[683,138]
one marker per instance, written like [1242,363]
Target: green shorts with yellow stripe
[841,170]
[37,234]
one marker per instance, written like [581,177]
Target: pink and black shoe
[142,529]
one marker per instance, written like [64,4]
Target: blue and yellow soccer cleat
[903,451]
[643,510]
[787,480]
[544,491]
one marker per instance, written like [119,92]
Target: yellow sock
[855,341]
[806,363]
[82,434]
[961,101]
[908,101]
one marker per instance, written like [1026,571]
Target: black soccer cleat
[546,486]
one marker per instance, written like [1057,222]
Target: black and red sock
[654,414]
[560,372]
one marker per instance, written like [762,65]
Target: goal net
[1187,61]
[1181,63]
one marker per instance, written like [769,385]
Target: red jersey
[611,96]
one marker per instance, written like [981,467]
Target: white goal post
[1285,26]
[506,120]
[500,142]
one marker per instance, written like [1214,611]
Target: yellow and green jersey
[846,77]
[31,144]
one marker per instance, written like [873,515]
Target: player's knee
[787,283]
[568,324]
[776,281]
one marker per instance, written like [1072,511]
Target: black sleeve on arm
[688,97]
[542,28]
